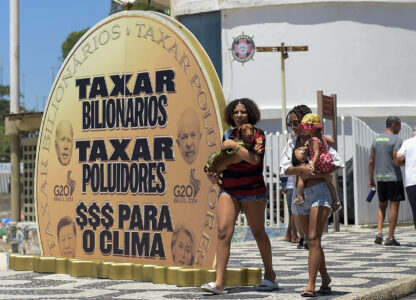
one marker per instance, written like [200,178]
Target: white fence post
[275,149]
[355,168]
[344,173]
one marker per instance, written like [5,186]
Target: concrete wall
[359,51]
[206,27]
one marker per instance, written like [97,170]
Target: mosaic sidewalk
[354,262]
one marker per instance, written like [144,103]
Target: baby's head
[311,123]
[301,153]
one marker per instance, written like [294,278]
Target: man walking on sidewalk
[407,156]
[389,178]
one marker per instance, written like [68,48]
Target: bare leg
[298,224]
[326,280]
[227,212]
[300,183]
[332,190]
[393,215]
[294,232]
[254,211]
[381,215]
[302,223]
[288,234]
[301,186]
[289,230]
[316,259]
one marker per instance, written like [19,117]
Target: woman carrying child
[321,160]
[314,212]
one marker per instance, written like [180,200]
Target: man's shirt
[383,147]
[408,149]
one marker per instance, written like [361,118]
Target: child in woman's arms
[319,156]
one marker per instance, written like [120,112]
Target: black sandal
[326,290]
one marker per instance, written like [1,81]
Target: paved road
[354,262]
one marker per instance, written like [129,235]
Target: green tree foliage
[70,42]
[4,91]
[137,6]
[74,36]
[4,110]
[143,6]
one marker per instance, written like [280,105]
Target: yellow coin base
[180,276]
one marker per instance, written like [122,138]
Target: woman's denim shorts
[316,195]
[245,198]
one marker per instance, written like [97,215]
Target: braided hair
[300,111]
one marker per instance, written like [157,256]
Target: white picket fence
[4,178]
[5,172]
[364,212]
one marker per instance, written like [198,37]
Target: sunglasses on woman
[293,124]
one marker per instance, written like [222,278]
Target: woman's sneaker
[303,244]
[391,242]
[379,238]
[300,245]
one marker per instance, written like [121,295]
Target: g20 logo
[183,191]
[190,190]
[67,189]
[62,190]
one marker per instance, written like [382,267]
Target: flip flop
[267,286]
[325,290]
[211,287]
[308,293]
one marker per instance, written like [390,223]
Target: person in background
[407,156]
[389,178]
[291,234]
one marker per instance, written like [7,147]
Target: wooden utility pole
[283,55]
[14,109]
[327,108]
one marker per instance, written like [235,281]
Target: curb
[179,276]
[392,290]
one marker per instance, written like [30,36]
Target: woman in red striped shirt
[243,188]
